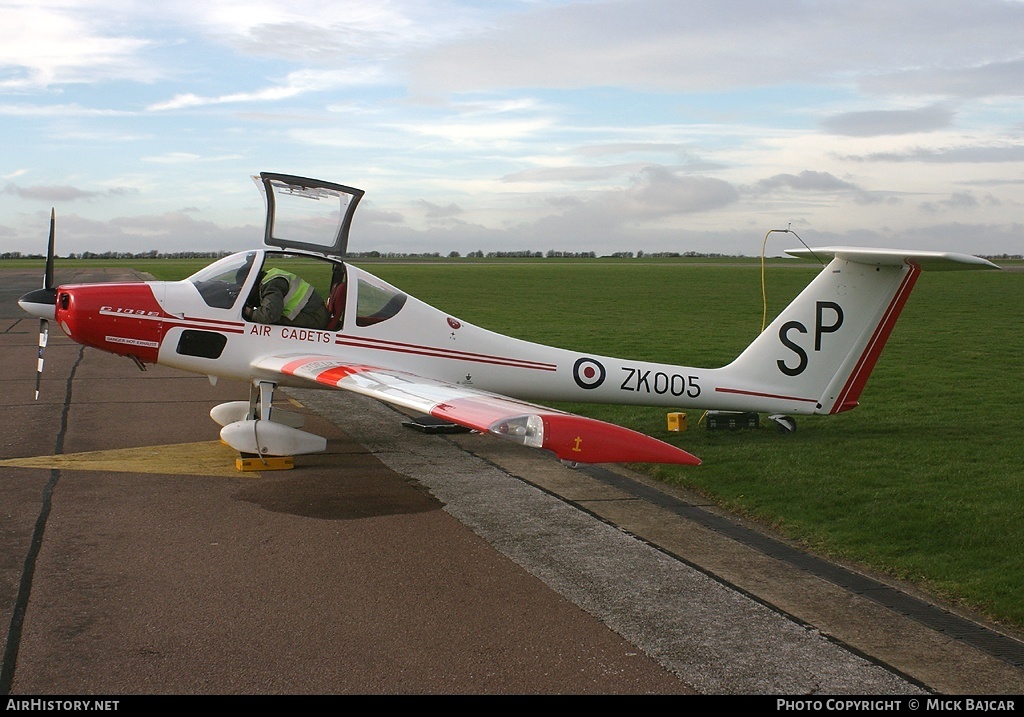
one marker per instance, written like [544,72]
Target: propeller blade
[48,275]
[44,335]
[43,302]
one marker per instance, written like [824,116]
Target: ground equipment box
[731,421]
[677,422]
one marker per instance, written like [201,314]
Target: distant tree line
[152,254]
[479,254]
[396,255]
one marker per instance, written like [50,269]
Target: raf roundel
[588,373]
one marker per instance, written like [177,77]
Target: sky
[512,125]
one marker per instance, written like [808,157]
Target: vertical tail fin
[818,353]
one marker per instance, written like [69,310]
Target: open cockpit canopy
[307,214]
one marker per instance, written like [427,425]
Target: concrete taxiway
[134,558]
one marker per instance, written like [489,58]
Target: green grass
[925,480]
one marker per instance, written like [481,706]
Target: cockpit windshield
[221,282]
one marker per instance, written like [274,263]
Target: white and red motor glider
[815,358]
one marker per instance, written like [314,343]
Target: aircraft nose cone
[41,303]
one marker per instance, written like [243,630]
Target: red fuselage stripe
[765,395]
[233,324]
[188,322]
[394,346]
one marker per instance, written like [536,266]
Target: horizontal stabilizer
[931,260]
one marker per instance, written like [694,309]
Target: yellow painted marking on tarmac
[207,458]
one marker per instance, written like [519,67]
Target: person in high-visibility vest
[286,299]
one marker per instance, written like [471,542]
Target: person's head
[254,292]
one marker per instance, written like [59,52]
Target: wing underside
[570,437]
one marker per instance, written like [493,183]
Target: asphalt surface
[135,559]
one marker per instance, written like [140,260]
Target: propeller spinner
[43,303]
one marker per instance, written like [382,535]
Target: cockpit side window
[377,302]
[221,282]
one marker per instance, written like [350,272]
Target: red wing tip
[584,440]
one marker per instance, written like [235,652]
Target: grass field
[924,481]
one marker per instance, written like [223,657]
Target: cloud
[655,193]
[948,155]
[972,81]
[574,174]
[660,191]
[956,202]
[187,158]
[42,46]
[889,122]
[370,214]
[305,41]
[607,148]
[294,84]
[806,181]
[478,131]
[56,193]
[436,211]
[339,32]
[662,45]
[144,232]
[690,45]
[60,111]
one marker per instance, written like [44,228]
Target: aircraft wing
[570,437]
